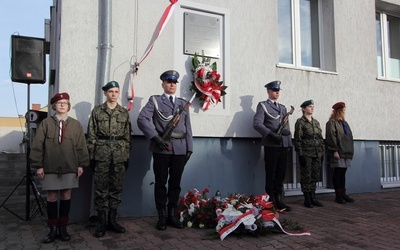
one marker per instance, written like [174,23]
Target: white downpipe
[104,48]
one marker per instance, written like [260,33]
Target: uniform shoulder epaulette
[155,96]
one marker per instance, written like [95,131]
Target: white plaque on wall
[202,35]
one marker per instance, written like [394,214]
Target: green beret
[112,84]
[306,103]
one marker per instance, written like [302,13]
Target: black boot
[279,202]
[162,216]
[52,221]
[112,223]
[62,229]
[307,200]
[51,235]
[339,197]
[101,227]
[314,200]
[346,197]
[173,219]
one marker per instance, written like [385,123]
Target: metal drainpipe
[104,48]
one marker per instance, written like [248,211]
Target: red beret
[58,97]
[338,105]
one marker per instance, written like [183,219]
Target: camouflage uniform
[309,146]
[109,145]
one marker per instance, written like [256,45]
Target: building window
[306,33]
[388,50]
[390,164]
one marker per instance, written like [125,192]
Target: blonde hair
[337,114]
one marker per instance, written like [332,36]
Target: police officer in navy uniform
[266,121]
[169,157]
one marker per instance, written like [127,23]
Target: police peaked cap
[171,75]
[306,103]
[275,85]
[112,84]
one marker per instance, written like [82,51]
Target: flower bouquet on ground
[206,83]
[236,213]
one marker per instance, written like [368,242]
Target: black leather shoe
[101,227]
[161,223]
[63,233]
[112,223]
[51,235]
[172,219]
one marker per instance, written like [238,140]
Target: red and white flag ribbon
[163,22]
[160,27]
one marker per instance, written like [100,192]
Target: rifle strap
[266,111]
[160,115]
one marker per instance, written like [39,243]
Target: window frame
[384,34]
[296,38]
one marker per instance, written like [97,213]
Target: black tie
[276,104]
[171,99]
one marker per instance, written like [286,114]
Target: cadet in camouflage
[109,136]
[310,147]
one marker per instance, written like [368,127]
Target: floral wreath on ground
[236,213]
[206,83]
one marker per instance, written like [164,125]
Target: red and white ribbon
[161,25]
[164,20]
[232,227]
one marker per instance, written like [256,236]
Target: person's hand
[336,155]
[40,173]
[275,137]
[160,142]
[79,173]
[285,132]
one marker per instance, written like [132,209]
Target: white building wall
[250,62]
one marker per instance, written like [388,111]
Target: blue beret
[306,103]
[112,84]
[171,75]
[275,85]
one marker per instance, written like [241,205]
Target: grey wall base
[228,165]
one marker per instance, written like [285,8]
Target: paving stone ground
[372,222]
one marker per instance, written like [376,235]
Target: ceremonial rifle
[175,120]
[284,121]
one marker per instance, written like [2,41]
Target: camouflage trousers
[108,183]
[310,168]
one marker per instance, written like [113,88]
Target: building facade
[325,50]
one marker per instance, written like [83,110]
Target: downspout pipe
[104,48]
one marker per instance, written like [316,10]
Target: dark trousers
[339,178]
[165,165]
[276,159]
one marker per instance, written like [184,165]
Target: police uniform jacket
[109,133]
[308,140]
[264,122]
[151,122]
[56,158]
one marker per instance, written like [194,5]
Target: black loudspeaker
[28,60]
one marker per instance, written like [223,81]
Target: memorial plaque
[202,35]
